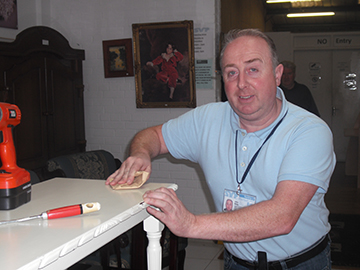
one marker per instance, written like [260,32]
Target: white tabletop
[59,243]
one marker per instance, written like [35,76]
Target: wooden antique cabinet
[42,75]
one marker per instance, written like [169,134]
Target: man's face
[249,79]
[288,77]
[229,205]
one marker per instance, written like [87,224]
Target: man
[258,149]
[295,92]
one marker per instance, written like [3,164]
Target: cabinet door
[26,88]
[64,101]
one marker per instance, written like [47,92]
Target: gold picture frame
[164,64]
[118,58]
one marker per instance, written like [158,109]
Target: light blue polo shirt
[300,149]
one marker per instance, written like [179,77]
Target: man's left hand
[172,211]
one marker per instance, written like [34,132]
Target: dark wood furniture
[42,75]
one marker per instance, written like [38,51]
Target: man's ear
[278,73]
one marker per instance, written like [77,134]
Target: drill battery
[15,188]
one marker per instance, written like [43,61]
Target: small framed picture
[118,58]
[164,64]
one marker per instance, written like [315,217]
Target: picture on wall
[164,64]
[8,14]
[118,58]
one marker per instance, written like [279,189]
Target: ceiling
[346,18]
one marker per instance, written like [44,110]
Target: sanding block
[140,179]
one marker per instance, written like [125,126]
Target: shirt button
[242,164]
[244,148]
[243,133]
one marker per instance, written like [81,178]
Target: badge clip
[238,191]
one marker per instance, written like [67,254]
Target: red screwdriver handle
[66,211]
[72,210]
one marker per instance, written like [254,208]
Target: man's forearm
[240,226]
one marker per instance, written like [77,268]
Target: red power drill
[15,185]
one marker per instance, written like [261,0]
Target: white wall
[111,116]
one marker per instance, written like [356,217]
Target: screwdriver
[66,211]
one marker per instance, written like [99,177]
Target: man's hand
[126,173]
[172,211]
[146,145]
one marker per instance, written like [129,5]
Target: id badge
[234,200]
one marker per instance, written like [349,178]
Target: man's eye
[231,74]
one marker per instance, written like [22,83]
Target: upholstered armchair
[97,164]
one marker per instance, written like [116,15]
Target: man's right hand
[126,173]
[146,145]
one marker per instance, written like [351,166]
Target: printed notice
[203,42]
[203,73]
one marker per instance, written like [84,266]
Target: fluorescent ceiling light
[289,1]
[312,14]
[277,1]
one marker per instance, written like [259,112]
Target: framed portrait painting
[118,58]
[164,64]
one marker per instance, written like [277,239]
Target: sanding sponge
[140,179]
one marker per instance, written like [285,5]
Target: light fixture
[311,14]
[289,1]
[277,1]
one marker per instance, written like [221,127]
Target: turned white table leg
[153,228]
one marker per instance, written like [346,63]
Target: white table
[59,243]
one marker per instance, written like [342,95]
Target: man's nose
[242,81]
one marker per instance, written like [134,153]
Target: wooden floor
[343,196]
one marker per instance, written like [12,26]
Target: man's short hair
[236,33]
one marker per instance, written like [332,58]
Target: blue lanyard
[253,158]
